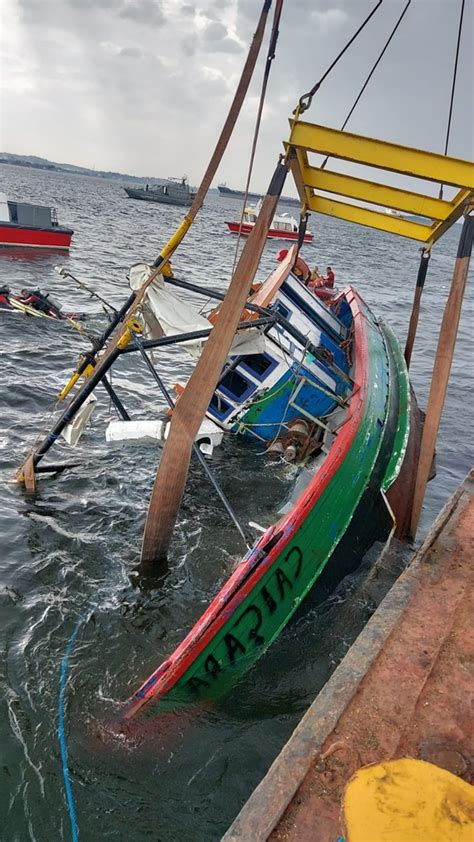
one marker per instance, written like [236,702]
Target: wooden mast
[190,409]
[442,366]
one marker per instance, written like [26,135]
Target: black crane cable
[303,105]
[453,88]
[370,75]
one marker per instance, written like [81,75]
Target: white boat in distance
[283,227]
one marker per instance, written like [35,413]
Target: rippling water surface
[70,551]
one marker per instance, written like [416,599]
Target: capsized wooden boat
[362,429]
[363,437]
[35,303]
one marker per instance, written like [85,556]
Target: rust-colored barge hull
[403,689]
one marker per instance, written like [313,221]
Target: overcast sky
[143,86]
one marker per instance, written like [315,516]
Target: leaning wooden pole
[415,312]
[26,473]
[442,367]
[191,408]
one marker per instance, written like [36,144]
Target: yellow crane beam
[371,218]
[376,194]
[405,160]
[461,203]
[439,214]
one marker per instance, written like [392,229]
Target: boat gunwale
[252,566]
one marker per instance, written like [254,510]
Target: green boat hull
[224,645]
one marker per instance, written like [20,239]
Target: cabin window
[219,407]
[259,365]
[237,387]
[282,310]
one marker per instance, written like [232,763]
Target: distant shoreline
[32,162]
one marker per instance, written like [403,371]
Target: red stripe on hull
[34,237]
[273,233]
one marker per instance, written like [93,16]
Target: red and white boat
[31,226]
[283,227]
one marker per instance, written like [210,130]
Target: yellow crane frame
[390,157]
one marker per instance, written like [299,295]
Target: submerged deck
[401,691]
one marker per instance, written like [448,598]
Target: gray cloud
[214,32]
[68,62]
[189,45]
[148,12]
[227,45]
[130,52]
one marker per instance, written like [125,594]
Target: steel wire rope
[266,74]
[453,88]
[359,95]
[302,104]
[195,447]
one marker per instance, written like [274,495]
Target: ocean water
[69,553]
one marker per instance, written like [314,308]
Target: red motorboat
[31,226]
[283,227]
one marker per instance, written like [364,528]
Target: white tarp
[74,430]
[164,312]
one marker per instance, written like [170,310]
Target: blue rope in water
[63,677]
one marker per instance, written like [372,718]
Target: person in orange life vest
[315,278]
[300,269]
[329,281]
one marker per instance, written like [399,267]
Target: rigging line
[370,76]
[303,105]
[65,274]
[63,679]
[448,130]
[195,447]
[270,56]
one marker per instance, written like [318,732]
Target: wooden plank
[442,366]
[190,409]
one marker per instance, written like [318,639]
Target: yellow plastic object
[166,270]
[132,325]
[408,801]
[73,380]
[175,240]
[69,385]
